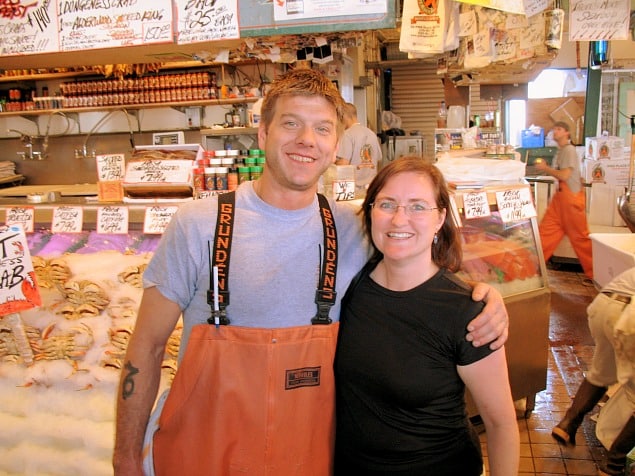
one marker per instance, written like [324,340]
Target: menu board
[47,26]
[28,27]
[206,21]
[105,24]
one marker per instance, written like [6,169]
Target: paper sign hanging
[515,205]
[156,219]
[475,205]
[18,285]
[300,9]
[591,20]
[67,219]
[206,21]
[23,216]
[113,220]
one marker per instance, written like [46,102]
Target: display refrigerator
[501,247]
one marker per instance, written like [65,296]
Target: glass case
[505,254]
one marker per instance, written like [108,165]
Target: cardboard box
[613,253]
[571,113]
[612,172]
[604,147]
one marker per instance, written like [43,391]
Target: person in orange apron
[566,213]
[254,391]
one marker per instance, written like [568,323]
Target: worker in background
[566,213]
[612,325]
[360,147]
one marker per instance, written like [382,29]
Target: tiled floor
[571,348]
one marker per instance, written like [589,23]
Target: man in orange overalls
[566,213]
[258,277]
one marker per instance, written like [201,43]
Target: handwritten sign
[599,20]
[467,23]
[475,205]
[102,24]
[533,7]
[67,219]
[515,205]
[206,20]
[159,171]
[532,35]
[112,220]
[28,27]
[298,9]
[344,189]
[18,286]
[504,45]
[110,167]
[156,219]
[23,216]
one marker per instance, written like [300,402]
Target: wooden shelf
[133,107]
[230,131]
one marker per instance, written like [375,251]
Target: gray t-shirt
[361,147]
[275,261]
[567,157]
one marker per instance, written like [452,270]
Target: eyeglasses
[415,209]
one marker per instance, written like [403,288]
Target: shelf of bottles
[171,88]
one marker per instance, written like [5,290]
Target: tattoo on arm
[128,382]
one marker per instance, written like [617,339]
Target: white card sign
[28,27]
[515,205]
[103,24]
[67,219]
[299,9]
[344,189]
[112,220]
[206,20]
[110,167]
[23,216]
[475,205]
[18,286]
[159,171]
[591,20]
[156,219]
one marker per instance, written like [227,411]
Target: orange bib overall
[252,401]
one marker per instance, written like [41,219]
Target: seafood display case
[506,253]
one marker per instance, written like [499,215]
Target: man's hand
[491,325]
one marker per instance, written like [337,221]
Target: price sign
[89,25]
[18,287]
[159,171]
[28,27]
[67,219]
[206,20]
[110,167]
[475,205]
[156,219]
[21,216]
[113,220]
[515,205]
